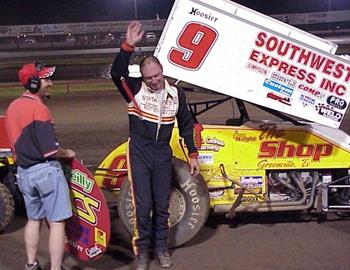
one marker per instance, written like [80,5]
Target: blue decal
[307,99]
[278,87]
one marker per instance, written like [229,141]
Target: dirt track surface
[93,123]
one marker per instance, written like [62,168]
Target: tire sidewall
[195,197]
[10,182]
[7,207]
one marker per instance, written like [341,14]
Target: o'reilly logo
[207,16]
[81,179]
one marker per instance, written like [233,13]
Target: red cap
[34,70]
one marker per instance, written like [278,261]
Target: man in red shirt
[29,126]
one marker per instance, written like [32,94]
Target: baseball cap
[34,70]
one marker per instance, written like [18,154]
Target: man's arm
[119,72]
[185,123]
[64,153]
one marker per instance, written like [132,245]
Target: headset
[34,83]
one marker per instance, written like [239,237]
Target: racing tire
[11,183]
[7,207]
[189,205]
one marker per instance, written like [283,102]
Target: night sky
[14,12]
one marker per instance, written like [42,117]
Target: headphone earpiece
[33,85]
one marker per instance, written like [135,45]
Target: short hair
[150,59]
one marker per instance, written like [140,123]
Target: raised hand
[134,33]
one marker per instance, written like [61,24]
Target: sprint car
[11,199]
[246,166]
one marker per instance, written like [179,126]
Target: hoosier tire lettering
[191,188]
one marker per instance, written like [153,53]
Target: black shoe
[32,266]
[141,262]
[164,259]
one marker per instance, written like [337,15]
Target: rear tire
[11,183]
[189,205]
[7,207]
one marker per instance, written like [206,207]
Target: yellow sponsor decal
[100,237]
[212,144]
[10,160]
[86,206]
[243,137]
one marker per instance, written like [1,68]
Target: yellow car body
[233,158]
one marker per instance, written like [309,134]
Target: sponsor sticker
[282,99]
[212,144]
[327,111]
[336,102]
[100,237]
[251,181]
[282,79]
[311,91]
[214,141]
[216,194]
[81,179]
[93,252]
[205,15]
[205,158]
[242,137]
[306,100]
[280,88]
[257,69]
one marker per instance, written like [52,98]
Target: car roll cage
[195,108]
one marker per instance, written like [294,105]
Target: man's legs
[32,238]
[139,157]
[45,197]
[57,207]
[161,187]
[142,200]
[56,244]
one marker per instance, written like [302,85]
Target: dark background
[14,12]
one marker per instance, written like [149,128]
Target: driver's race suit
[152,116]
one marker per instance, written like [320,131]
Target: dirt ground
[92,124]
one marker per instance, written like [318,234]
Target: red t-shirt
[30,129]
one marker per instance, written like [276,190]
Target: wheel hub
[177,207]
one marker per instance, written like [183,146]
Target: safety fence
[62,87]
